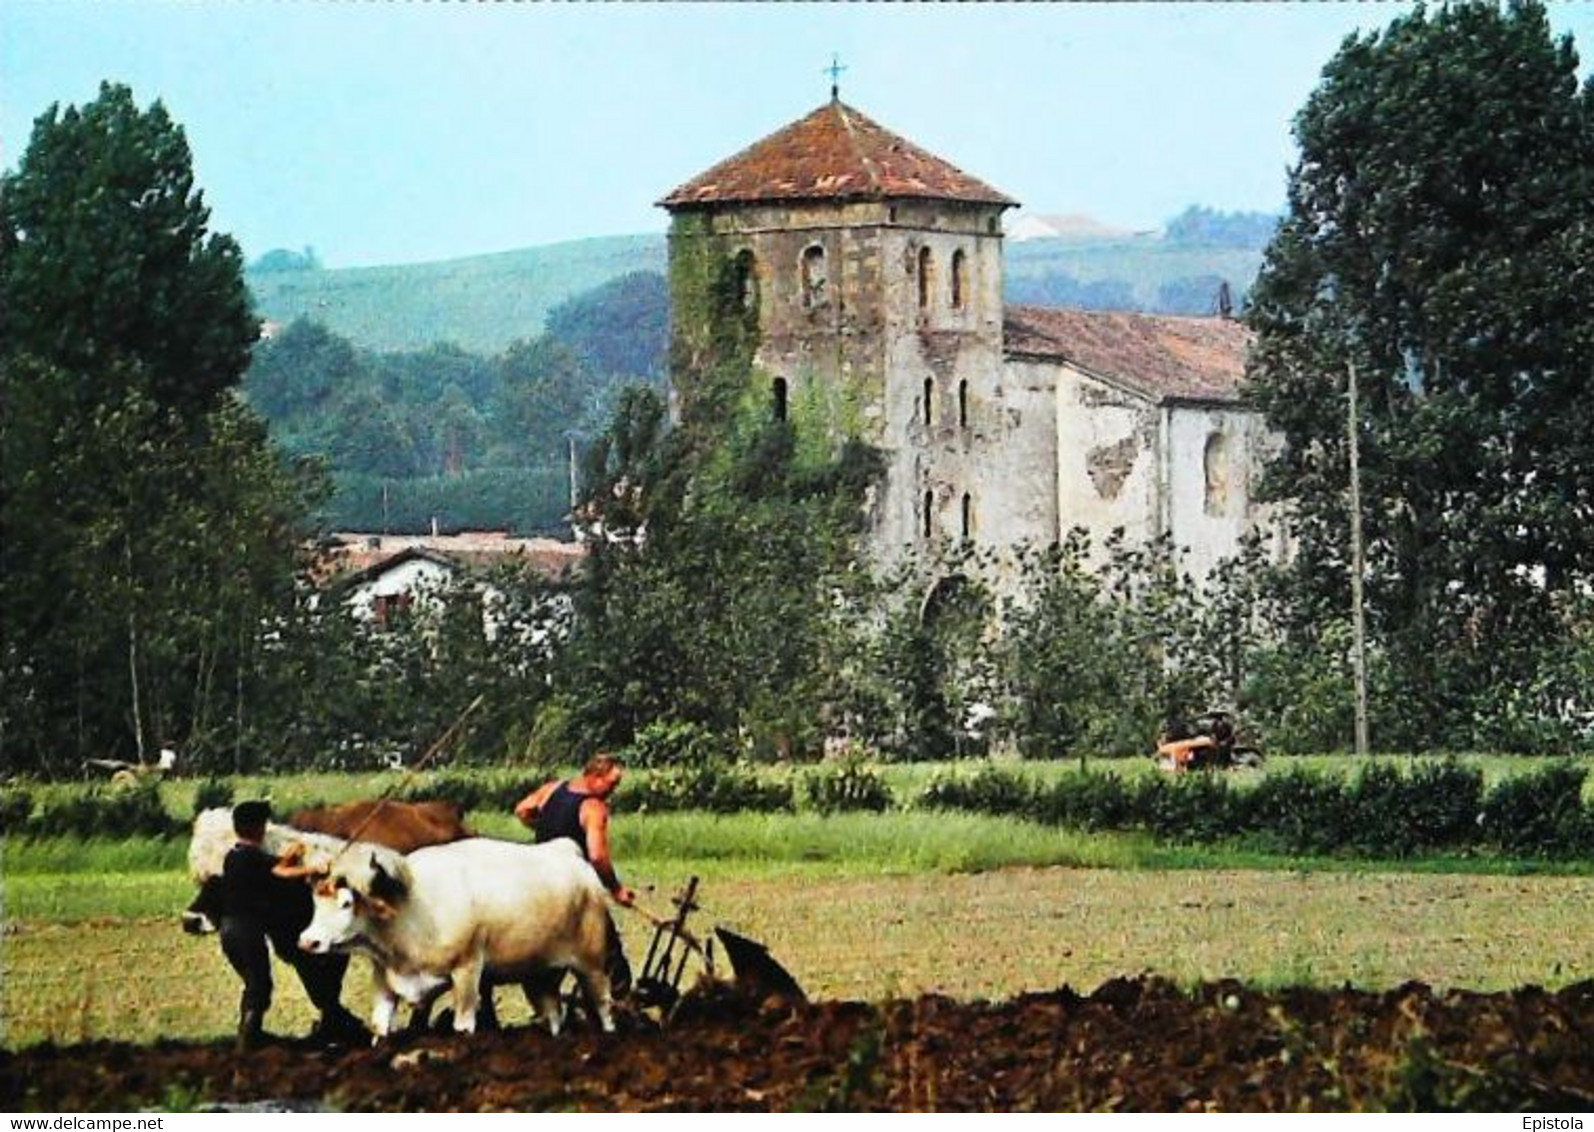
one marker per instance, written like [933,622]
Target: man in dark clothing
[579,810]
[263,899]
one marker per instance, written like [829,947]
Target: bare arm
[595,820]
[531,805]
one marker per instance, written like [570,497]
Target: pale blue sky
[384,132]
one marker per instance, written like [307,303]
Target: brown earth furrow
[1134,1044]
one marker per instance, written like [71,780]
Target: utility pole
[1357,563]
[575,496]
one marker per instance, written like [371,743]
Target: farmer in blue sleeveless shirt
[579,809]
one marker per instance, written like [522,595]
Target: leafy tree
[1099,658]
[430,434]
[146,526]
[1440,228]
[542,394]
[719,591]
[419,377]
[620,329]
[105,256]
[459,431]
[372,436]
[300,370]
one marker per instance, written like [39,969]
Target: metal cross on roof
[834,71]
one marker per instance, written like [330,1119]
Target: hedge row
[1382,812]
[100,811]
[712,785]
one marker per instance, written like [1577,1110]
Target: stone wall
[1110,465]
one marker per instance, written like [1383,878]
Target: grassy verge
[67,879]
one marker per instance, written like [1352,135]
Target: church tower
[862,278]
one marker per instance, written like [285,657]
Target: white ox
[443,917]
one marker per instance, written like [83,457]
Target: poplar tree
[147,528]
[1439,243]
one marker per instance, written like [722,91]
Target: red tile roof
[1161,356]
[358,553]
[835,153]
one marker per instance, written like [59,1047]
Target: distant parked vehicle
[1209,743]
[124,773]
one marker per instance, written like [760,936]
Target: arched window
[747,279]
[813,276]
[929,514]
[780,398]
[959,278]
[1215,464]
[929,401]
[968,516]
[963,404]
[926,278]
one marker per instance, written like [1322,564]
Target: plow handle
[658,963]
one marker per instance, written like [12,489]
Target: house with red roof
[867,272]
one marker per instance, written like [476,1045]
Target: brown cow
[401,826]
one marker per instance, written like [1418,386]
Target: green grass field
[132,975]
[857,905]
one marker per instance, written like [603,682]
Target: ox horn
[385,887]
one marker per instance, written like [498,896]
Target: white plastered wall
[1109,465]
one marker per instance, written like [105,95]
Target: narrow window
[959,283]
[963,404]
[747,279]
[813,276]
[892,214]
[929,401]
[990,225]
[968,516]
[926,278]
[1216,466]
[929,511]
[780,398]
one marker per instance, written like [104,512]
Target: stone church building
[875,272]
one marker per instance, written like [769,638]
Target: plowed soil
[1142,1045]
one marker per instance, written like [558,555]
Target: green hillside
[481,303]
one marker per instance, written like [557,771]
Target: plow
[726,957]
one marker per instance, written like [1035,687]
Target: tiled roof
[1161,356]
[358,554]
[835,153]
